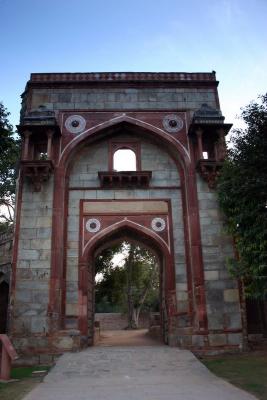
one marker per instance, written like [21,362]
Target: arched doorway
[126,231]
[159,189]
[4,291]
[91,156]
[152,196]
[128,294]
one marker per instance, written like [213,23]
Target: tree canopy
[9,151]
[242,190]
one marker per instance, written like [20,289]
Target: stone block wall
[222,292]
[117,321]
[33,266]
[123,98]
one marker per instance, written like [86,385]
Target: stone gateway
[72,203]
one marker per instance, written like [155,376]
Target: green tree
[242,190]
[132,286]
[106,299]
[104,260]
[142,281]
[9,154]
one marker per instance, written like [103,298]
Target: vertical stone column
[49,134]
[27,135]
[199,133]
[216,151]
[85,306]
[200,311]
[221,147]
[57,252]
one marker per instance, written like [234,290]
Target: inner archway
[127,295]
[127,231]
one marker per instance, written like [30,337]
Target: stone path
[139,337]
[133,373]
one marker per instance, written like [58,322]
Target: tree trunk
[130,306]
[136,317]
[262,317]
[243,308]
[143,298]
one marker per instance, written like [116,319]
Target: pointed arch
[130,226]
[59,228]
[123,229]
[169,141]
[186,169]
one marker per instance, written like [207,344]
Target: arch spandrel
[128,228]
[172,145]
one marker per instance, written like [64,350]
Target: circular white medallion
[75,123]
[158,224]
[172,123]
[93,225]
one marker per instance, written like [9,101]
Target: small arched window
[124,160]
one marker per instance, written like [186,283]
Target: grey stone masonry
[33,266]
[123,99]
[222,292]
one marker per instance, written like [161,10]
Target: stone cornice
[123,76]
[122,79]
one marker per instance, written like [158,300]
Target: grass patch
[26,372]
[26,382]
[248,371]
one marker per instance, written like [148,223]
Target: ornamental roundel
[75,123]
[172,123]
[158,224]
[93,225]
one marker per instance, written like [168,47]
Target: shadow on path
[138,337]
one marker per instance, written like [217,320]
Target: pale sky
[228,36]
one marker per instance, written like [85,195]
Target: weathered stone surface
[23,295]
[28,233]
[65,343]
[39,325]
[71,309]
[122,98]
[235,320]
[231,295]
[197,341]
[40,296]
[211,275]
[216,319]
[181,295]
[235,339]
[218,339]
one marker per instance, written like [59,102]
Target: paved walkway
[139,337]
[133,373]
